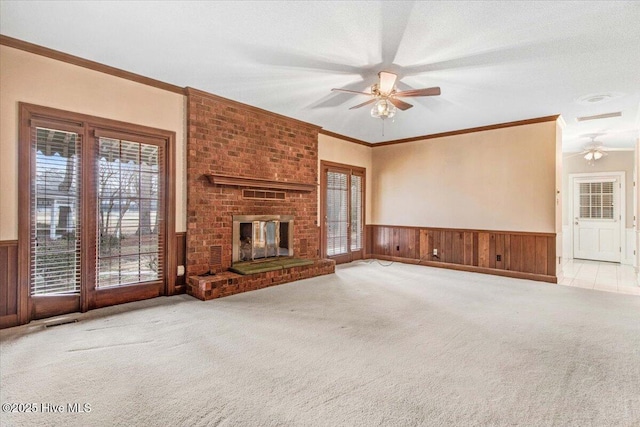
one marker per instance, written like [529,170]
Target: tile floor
[600,276]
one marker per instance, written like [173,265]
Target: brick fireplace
[244,161]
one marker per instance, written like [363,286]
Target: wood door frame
[324,166]
[26,162]
[621,175]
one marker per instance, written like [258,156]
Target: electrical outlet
[435,252]
[498,257]
[397,248]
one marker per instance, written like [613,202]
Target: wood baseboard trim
[469,268]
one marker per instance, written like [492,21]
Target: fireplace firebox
[257,237]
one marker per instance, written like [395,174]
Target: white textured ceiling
[495,61]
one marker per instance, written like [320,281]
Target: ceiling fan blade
[350,91]
[387,81]
[371,101]
[430,91]
[400,104]
[575,154]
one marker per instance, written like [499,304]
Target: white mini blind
[55,212]
[337,213]
[130,217]
[596,200]
[356,212]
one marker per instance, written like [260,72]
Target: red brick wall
[229,138]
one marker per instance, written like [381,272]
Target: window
[596,200]
[337,213]
[356,212]
[129,195]
[55,211]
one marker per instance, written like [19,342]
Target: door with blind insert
[56,220]
[342,210]
[129,198]
[96,223]
[597,218]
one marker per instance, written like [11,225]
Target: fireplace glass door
[265,239]
[257,237]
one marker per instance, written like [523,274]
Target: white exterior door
[597,218]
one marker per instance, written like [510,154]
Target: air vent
[599,116]
[263,195]
[60,322]
[215,260]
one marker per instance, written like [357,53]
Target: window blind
[356,212]
[596,200]
[55,212]
[130,217]
[337,213]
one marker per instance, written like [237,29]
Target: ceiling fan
[385,96]
[594,150]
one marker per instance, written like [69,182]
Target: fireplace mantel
[239,181]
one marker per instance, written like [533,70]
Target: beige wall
[615,161]
[39,80]
[502,179]
[341,151]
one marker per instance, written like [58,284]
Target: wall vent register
[263,195]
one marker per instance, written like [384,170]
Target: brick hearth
[232,139]
[228,283]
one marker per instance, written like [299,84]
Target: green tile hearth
[254,267]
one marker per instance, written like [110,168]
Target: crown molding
[470,130]
[85,63]
[345,138]
[117,72]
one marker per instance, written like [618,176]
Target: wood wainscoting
[505,253]
[9,291]
[8,283]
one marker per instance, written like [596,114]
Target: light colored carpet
[371,345]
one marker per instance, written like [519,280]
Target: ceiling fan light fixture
[597,155]
[589,156]
[383,109]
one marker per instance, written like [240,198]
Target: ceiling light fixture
[383,109]
[599,98]
[593,155]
